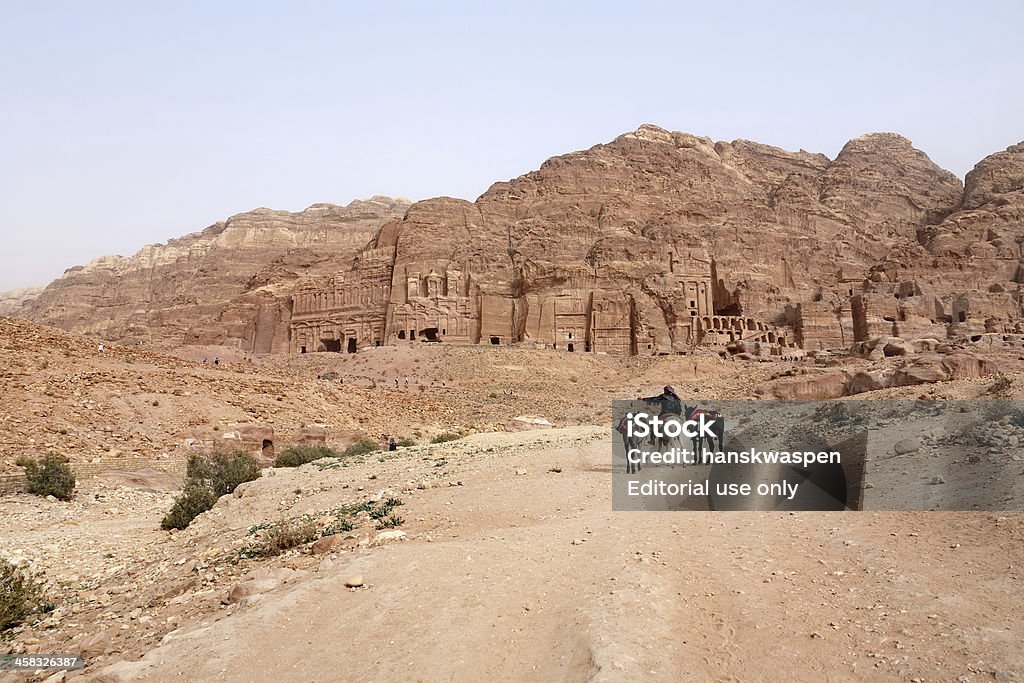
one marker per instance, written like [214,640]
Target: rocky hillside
[642,217]
[634,246]
[13,299]
[222,285]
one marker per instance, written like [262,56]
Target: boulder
[326,544]
[388,537]
[247,589]
[906,446]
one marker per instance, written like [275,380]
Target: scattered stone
[247,589]
[908,445]
[388,537]
[354,581]
[326,544]
[95,645]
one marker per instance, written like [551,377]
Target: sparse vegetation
[20,595]
[50,475]
[390,522]
[1000,386]
[285,535]
[207,478]
[405,442]
[446,436]
[221,471]
[194,500]
[362,447]
[299,454]
[385,507]
[341,525]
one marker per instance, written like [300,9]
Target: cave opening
[731,309]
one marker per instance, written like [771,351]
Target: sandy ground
[509,568]
[531,576]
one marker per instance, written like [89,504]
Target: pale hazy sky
[127,123]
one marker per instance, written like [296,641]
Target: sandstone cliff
[656,242]
[225,285]
[12,300]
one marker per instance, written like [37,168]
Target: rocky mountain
[661,242]
[13,299]
[656,242]
[224,285]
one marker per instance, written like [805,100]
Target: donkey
[628,443]
[717,426]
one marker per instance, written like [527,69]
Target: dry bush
[285,535]
[299,454]
[50,475]
[20,595]
[207,478]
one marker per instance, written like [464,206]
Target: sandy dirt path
[534,577]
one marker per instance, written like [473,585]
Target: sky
[129,123]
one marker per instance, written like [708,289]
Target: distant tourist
[216,361]
[392,444]
[101,348]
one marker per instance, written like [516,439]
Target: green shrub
[193,501]
[381,512]
[362,447]
[392,522]
[20,595]
[405,442]
[222,472]
[50,475]
[207,478]
[442,438]
[300,454]
[339,526]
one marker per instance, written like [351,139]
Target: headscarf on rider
[668,400]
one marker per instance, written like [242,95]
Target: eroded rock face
[12,300]
[225,285]
[927,368]
[656,242]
